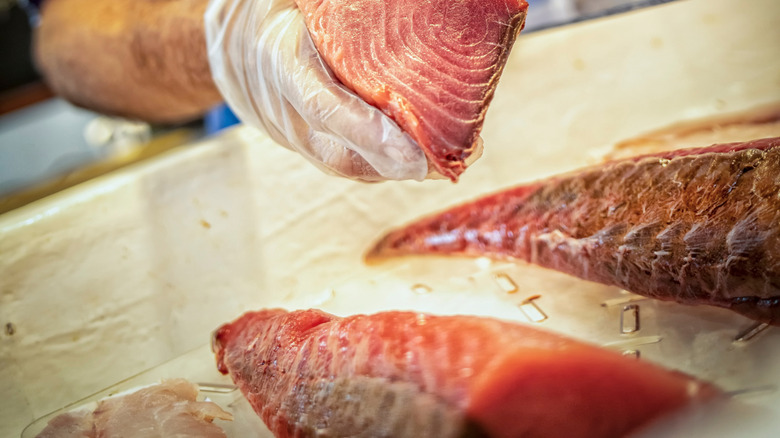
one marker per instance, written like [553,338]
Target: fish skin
[404,374]
[430,65]
[696,226]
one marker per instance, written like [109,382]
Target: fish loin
[167,410]
[431,65]
[403,374]
[697,226]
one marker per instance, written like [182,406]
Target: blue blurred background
[43,137]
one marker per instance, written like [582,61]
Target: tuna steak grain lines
[431,65]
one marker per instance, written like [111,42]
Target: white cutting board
[114,276]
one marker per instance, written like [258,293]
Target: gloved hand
[267,68]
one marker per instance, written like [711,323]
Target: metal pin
[421,289]
[505,283]
[629,319]
[630,344]
[754,391]
[750,332]
[531,310]
[634,353]
[219,388]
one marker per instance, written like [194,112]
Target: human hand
[268,70]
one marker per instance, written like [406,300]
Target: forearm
[143,59]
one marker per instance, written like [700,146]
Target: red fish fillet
[431,65]
[165,410]
[697,226]
[402,374]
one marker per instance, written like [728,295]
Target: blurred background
[47,144]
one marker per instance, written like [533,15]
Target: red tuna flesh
[402,374]
[430,65]
[697,226]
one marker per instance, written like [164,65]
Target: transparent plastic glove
[269,71]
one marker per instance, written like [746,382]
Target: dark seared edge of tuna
[697,226]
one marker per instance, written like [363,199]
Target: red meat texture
[431,65]
[405,374]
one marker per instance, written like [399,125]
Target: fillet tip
[379,252]
[395,243]
[442,169]
[451,167]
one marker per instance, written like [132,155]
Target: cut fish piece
[697,226]
[431,65]
[78,424]
[402,374]
[762,122]
[166,410]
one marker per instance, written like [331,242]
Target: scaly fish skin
[410,375]
[699,226]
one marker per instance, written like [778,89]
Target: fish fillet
[430,65]
[166,410]
[697,226]
[402,374]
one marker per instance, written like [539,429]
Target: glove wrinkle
[265,64]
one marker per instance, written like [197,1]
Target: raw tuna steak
[431,65]
[698,226]
[165,410]
[402,374]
